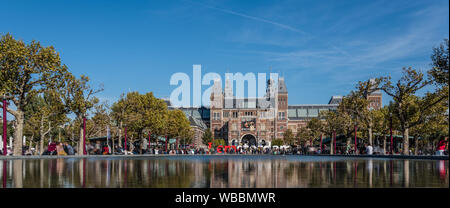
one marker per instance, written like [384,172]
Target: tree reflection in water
[224,172]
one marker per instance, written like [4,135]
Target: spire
[282,85]
[228,88]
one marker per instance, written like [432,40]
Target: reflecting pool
[224,171]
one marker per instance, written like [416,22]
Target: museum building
[256,121]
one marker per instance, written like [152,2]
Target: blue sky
[321,47]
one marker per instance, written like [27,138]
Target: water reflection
[224,172]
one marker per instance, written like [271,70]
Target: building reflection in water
[224,172]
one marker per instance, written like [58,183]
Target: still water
[224,171]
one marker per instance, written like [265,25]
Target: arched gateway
[249,140]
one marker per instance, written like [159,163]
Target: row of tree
[413,111]
[48,101]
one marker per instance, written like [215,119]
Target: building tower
[282,107]
[229,98]
[375,98]
[216,109]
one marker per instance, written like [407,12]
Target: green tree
[356,104]
[440,62]
[187,137]
[409,108]
[177,125]
[97,125]
[27,70]
[288,137]
[439,73]
[78,98]
[218,142]
[277,142]
[142,113]
[44,114]
[118,115]
[381,124]
[207,137]
[337,122]
[434,127]
[316,128]
[303,135]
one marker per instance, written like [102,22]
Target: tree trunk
[112,144]
[41,145]
[384,144]
[18,134]
[406,141]
[332,145]
[80,142]
[416,145]
[36,148]
[18,173]
[370,135]
[131,144]
[140,142]
[120,134]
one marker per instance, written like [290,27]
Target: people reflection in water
[226,172]
[442,170]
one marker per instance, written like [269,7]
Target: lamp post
[4,126]
[356,135]
[167,138]
[126,140]
[334,138]
[390,130]
[84,135]
[320,143]
[59,131]
[113,145]
[108,137]
[149,140]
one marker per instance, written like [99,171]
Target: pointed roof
[282,85]
[197,123]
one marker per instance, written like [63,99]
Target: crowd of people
[103,148]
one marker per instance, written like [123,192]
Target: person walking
[51,149]
[348,148]
[60,150]
[69,148]
[369,149]
[442,146]
[105,150]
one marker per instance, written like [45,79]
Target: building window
[263,127]
[235,114]
[313,112]
[216,116]
[292,113]
[248,113]
[226,114]
[281,115]
[302,112]
[217,133]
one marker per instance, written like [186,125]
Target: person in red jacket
[52,148]
[105,150]
[442,145]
